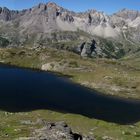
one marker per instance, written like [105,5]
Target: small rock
[107,138]
[26,122]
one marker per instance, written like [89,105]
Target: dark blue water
[26,90]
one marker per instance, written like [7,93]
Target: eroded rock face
[56,131]
[88,48]
[51,11]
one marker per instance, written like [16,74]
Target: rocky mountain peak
[45,6]
[5,14]
[128,14]
[42,6]
[8,15]
[52,4]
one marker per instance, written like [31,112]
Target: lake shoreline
[129,99]
[66,76]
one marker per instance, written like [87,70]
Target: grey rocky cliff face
[45,18]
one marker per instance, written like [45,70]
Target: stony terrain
[26,125]
[55,131]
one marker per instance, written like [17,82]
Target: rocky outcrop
[53,66]
[101,48]
[88,48]
[56,131]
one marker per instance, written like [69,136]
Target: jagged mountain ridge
[49,17]
[116,35]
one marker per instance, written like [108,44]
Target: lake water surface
[26,90]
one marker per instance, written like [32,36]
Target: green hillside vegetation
[4,42]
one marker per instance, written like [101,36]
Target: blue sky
[108,6]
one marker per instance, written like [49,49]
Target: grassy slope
[102,74]
[132,60]
[113,77]
[11,126]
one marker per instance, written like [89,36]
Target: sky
[108,6]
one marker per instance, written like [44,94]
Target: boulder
[53,66]
[55,131]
